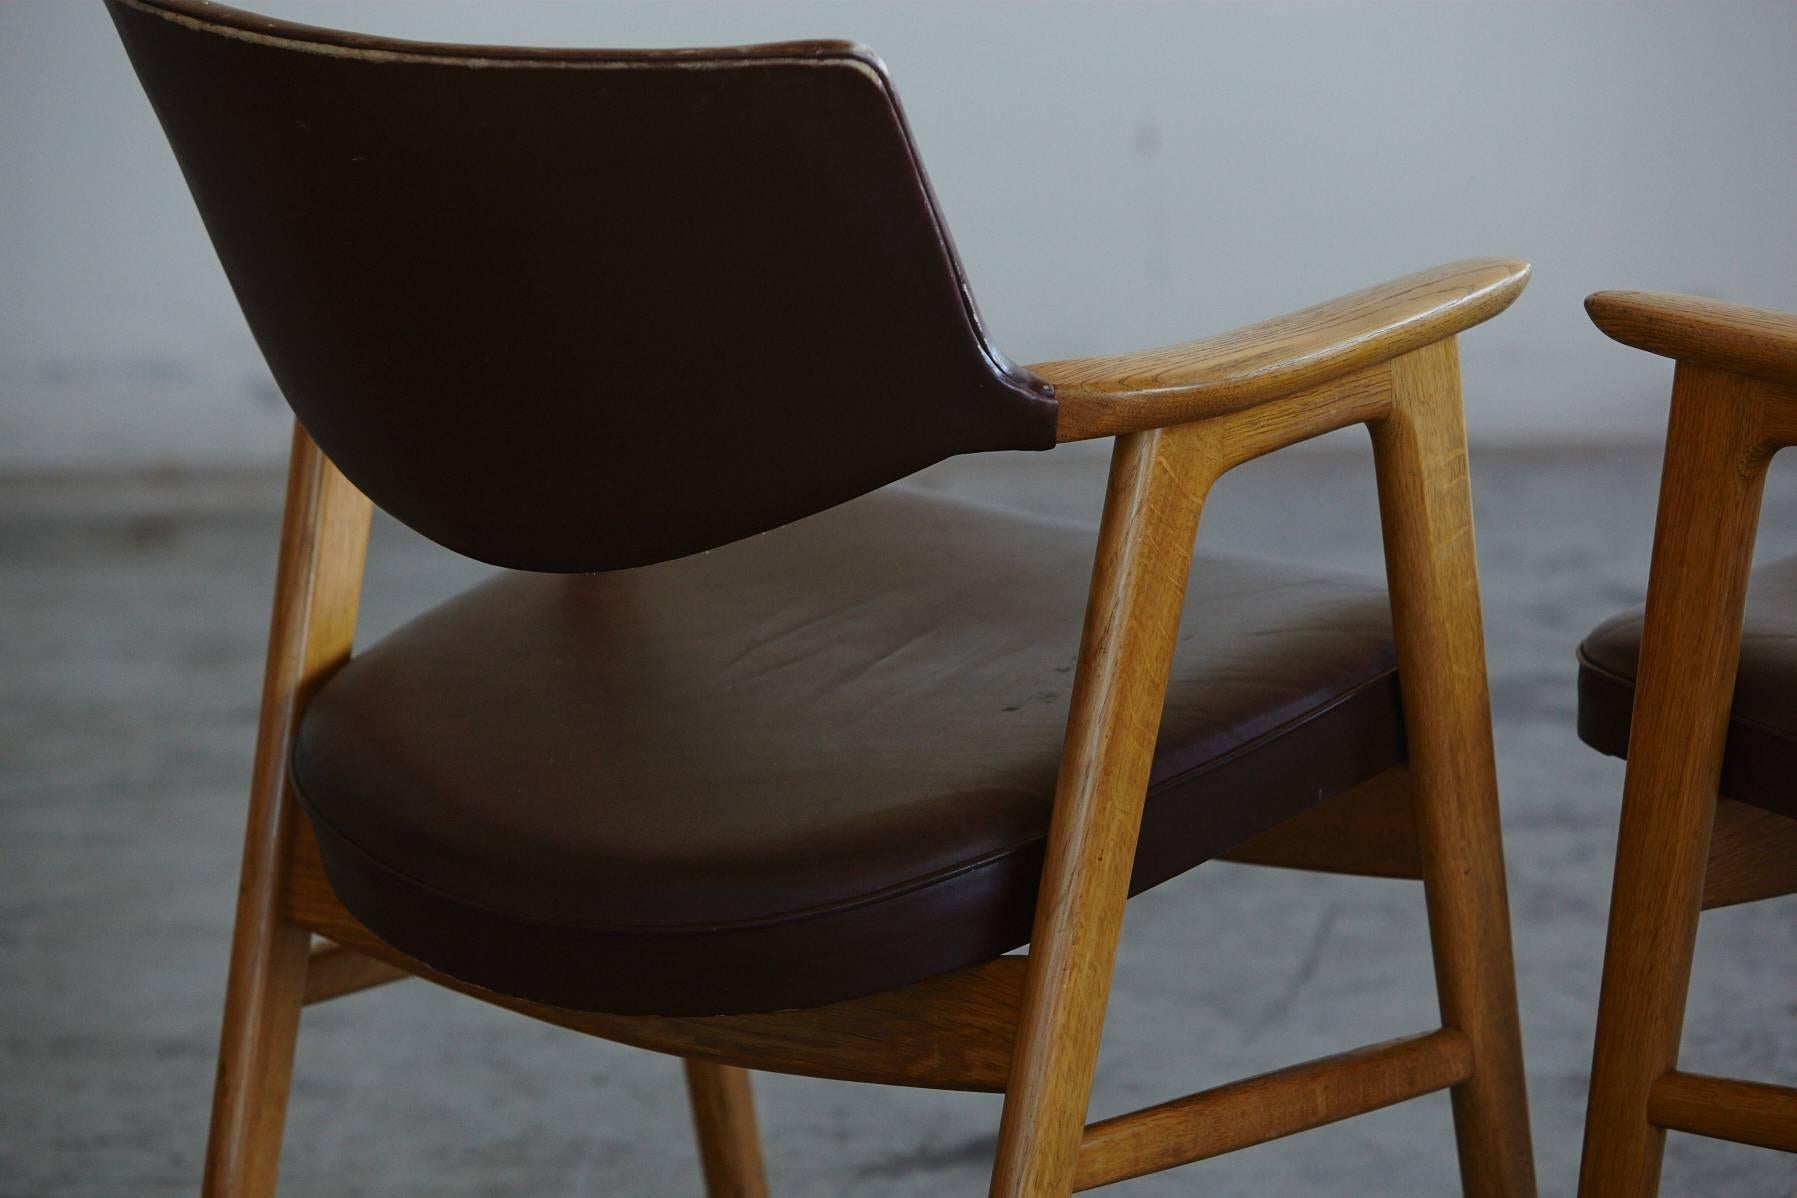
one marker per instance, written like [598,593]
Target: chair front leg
[318,582]
[1716,457]
[1426,512]
[1157,486]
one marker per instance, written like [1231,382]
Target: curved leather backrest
[583,310]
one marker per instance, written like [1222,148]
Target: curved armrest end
[1752,341]
[1309,348]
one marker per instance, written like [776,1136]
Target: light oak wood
[1425,507]
[1105,396]
[952,1032]
[1717,451]
[1253,1111]
[1753,856]
[324,535]
[1729,337]
[1778,414]
[1156,491]
[334,971]
[724,1121]
[1725,1109]
[1370,831]
[1278,423]
[1031,1026]
[1157,486]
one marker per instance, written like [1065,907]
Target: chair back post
[1425,506]
[1724,428]
[1157,486]
[318,585]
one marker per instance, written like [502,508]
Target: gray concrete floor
[130,645]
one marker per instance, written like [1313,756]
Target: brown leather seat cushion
[1759,765]
[809,765]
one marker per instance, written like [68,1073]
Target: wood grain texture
[1105,396]
[1732,337]
[1370,831]
[318,580]
[334,971]
[1258,1109]
[1753,856]
[724,1121]
[952,1032]
[1425,508]
[1717,451]
[960,1030]
[1725,1109]
[1157,486]
[1357,398]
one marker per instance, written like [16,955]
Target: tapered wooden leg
[1157,485]
[317,583]
[724,1118]
[1426,512]
[255,1062]
[1697,590]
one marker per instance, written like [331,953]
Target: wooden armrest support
[1731,337]
[1101,397]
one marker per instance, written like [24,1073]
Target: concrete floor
[130,648]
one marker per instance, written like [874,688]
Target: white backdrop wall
[1117,175]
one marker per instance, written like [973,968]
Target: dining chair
[747,756]
[1699,693]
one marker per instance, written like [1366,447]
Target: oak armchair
[787,801]
[1698,692]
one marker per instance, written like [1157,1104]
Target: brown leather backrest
[583,310]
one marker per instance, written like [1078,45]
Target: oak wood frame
[1029,1025]
[1680,850]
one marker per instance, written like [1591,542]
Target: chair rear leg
[1426,510]
[318,581]
[255,1060]
[724,1118]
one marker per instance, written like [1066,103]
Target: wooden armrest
[1732,337]
[1101,397]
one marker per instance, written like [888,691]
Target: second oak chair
[1699,692]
